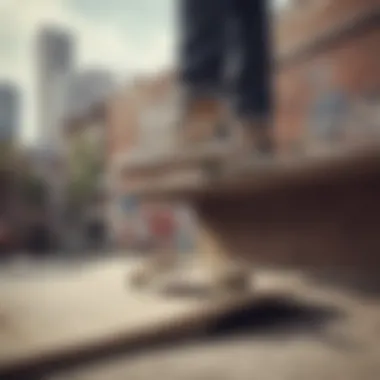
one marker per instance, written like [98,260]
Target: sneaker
[201,122]
[254,139]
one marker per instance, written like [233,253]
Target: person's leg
[202,52]
[252,87]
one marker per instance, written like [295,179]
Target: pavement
[298,327]
[313,329]
[53,311]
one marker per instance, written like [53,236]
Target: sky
[124,36]
[127,37]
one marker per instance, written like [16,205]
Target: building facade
[143,118]
[327,80]
[10,112]
[55,60]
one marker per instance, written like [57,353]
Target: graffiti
[336,114]
[147,227]
[129,205]
[328,115]
[339,117]
[329,106]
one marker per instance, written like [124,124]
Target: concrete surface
[296,328]
[51,310]
[324,330]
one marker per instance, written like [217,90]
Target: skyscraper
[55,61]
[10,110]
[55,55]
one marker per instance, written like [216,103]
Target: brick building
[327,69]
[140,115]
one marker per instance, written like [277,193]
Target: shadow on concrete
[267,315]
[279,318]
[274,315]
[365,284]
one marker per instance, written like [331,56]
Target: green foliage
[85,168]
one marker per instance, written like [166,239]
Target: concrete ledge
[147,162]
[297,171]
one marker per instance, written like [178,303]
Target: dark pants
[224,52]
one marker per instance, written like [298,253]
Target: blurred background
[86,83]
[67,106]
[82,80]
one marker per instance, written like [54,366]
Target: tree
[85,168]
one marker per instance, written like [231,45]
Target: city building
[55,61]
[10,112]
[327,71]
[142,118]
[86,88]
